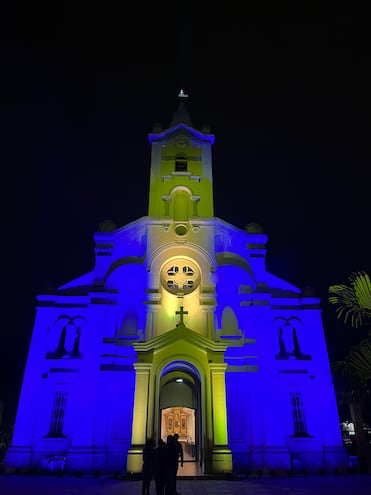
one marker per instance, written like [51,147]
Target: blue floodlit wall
[81,385]
[82,347]
[263,379]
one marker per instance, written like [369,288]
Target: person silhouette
[179,448]
[170,465]
[160,467]
[149,464]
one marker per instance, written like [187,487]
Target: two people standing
[161,463]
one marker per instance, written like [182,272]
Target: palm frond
[362,288]
[354,301]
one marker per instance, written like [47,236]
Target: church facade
[179,328]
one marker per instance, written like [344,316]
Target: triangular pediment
[178,334]
[181,126]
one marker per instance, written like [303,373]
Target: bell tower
[181,183]
[180,234]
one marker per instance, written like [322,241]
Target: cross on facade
[181,312]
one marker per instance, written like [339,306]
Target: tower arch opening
[180,412]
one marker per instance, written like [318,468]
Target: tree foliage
[354,306]
[354,300]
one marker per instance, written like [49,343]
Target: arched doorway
[180,412]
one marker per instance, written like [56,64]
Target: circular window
[181,229]
[180,276]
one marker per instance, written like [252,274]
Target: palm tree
[355,373]
[354,306]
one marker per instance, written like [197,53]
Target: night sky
[287,95]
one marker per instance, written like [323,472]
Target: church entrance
[181,420]
[180,413]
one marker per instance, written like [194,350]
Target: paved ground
[11,484]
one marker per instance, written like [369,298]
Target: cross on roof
[181,312]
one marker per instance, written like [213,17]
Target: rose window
[180,276]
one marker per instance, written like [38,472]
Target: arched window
[181,206]
[181,164]
[57,415]
[298,415]
[229,322]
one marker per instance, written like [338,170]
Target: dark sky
[287,95]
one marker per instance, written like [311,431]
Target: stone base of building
[76,460]
[134,464]
[221,461]
[270,459]
[18,458]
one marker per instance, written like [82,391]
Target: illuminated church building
[179,328]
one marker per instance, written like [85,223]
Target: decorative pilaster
[221,453]
[139,430]
[209,321]
[210,324]
[152,316]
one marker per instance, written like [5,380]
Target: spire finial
[181,115]
[182,94]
